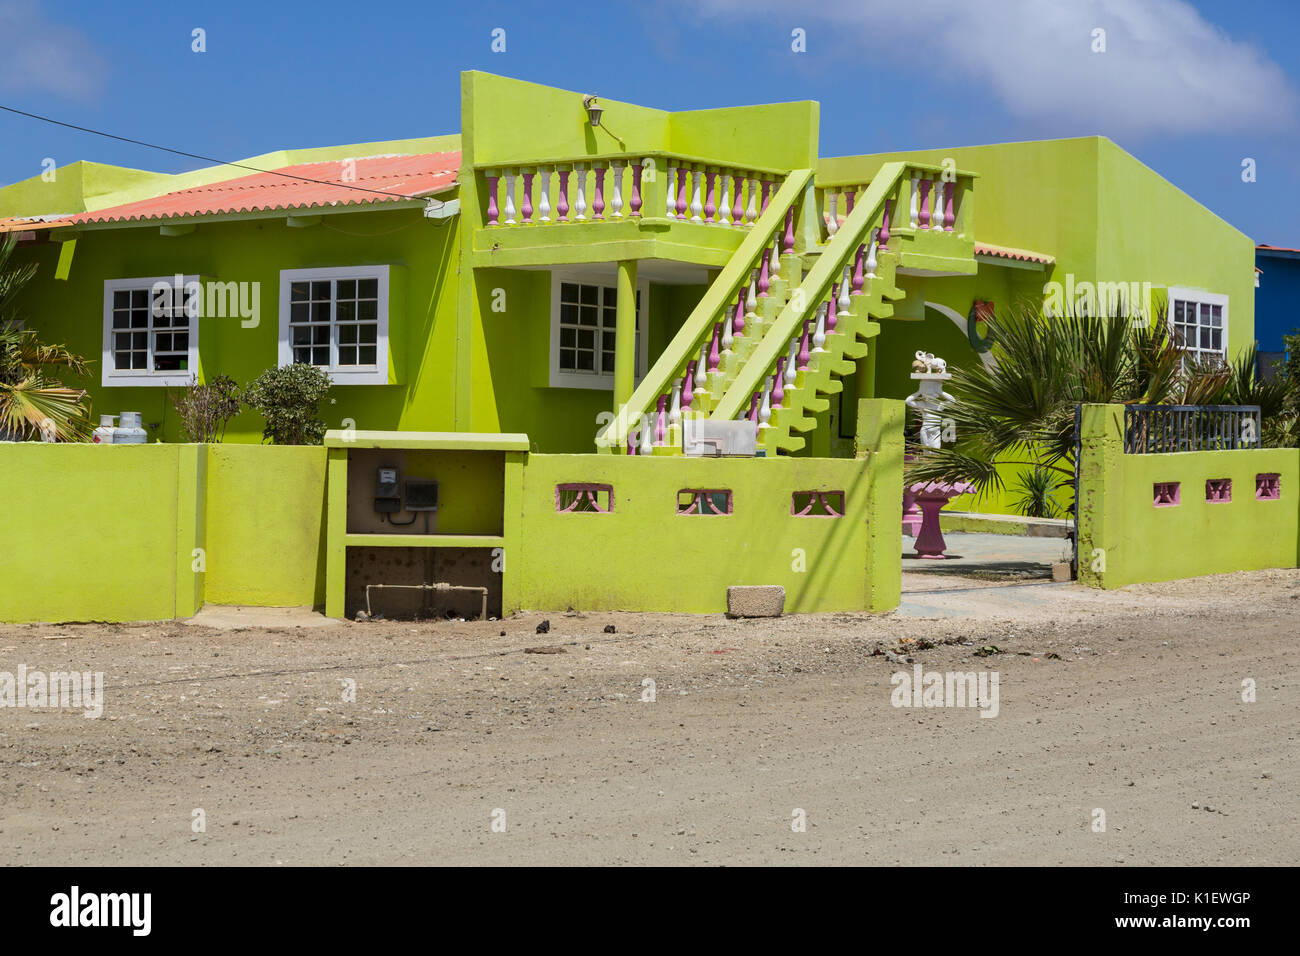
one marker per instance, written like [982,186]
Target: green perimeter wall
[1140,542]
[120,532]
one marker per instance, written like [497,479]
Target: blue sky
[1191,89]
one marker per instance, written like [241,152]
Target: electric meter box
[387,494]
[421,494]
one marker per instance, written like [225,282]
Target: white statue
[929,400]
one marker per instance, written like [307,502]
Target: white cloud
[36,54]
[1165,69]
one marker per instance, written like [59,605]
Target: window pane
[368,334]
[347,289]
[586,361]
[369,355]
[368,311]
[346,311]
[299,312]
[347,334]
[611,296]
[569,292]
[320,312]
[588,315]
[320,291]
[298,291]
[590,295]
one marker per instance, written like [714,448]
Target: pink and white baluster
[791,368]
[580,192]
[696,207]
[764,280]
[683,175]
[778,383]
[844,303]
[670,193]
[510,197]
[715,356]
[710,207]
[788,239]
[724,205]
[702,369]
[675,405]
[914,203]
[727,329]
[871,256]
[832,213]
[948,217]
[688,385]
[661,420]
[776,256]
[753,411]
[819,333]
[562,198]
[598,194]
[767,195]
[738,322]
[647,442]
[765,407]
[924,219]
[526,207]
[884,225]
[492,211]
[832,316]
[751,211]
[635,205]
[544,194]
[751,299]
[804,354]
[737,205]
[616,191]
[858,260]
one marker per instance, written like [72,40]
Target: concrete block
[1061,572]
[767,600]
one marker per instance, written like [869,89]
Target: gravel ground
[1129,702]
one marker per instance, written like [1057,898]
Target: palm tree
[1020,409]
[33,404]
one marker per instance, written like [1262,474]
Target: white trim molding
[146,375]
[599,378]
[347,373]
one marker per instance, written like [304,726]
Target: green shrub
[289,399]
[205,410]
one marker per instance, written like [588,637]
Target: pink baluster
[492,211]
[924,219]
[527,206]
[856,287]
[884,226]
[764,283]
[787,241]
[804,354]
[778,389]
[850,194]
[636,190]
[683,176]
[660,429]
[688,385]
[562,203]
[831,319]
[714,354]
[631,444]
[710,207]
[767,188]
[737,207]
[738,321]
[598,200]
[753,407]
[948,217]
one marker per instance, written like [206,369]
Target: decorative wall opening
[1218,489]
[817,504]
[583,498]
[1166,494]
[704,501]
[1268,487]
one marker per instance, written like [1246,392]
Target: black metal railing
[1160,429]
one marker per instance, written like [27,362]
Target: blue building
[1277,301]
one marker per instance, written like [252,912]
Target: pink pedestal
[928,499]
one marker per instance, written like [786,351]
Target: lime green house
[541,332]
[592,277]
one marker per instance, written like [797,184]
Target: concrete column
[625,334]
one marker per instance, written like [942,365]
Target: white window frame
[376,374]
[110,377]
[566,378]
[1200,297]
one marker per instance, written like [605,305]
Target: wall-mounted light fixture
[593,111]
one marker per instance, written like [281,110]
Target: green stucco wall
[1124,538]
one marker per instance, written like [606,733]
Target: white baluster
[510,198]
[702,368]
[724,211]
[696,208]
[616,201]
[751,297]
[647,431]
[675,406]
[728,332]
[833,217]
[544,197]
[751,211]
[844,301]
[580,184]
[670,200]
[819,334]
[776,256]
[791,359]
[914,210]
[765,407]
[871,255]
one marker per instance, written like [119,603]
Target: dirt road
[1127,702]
